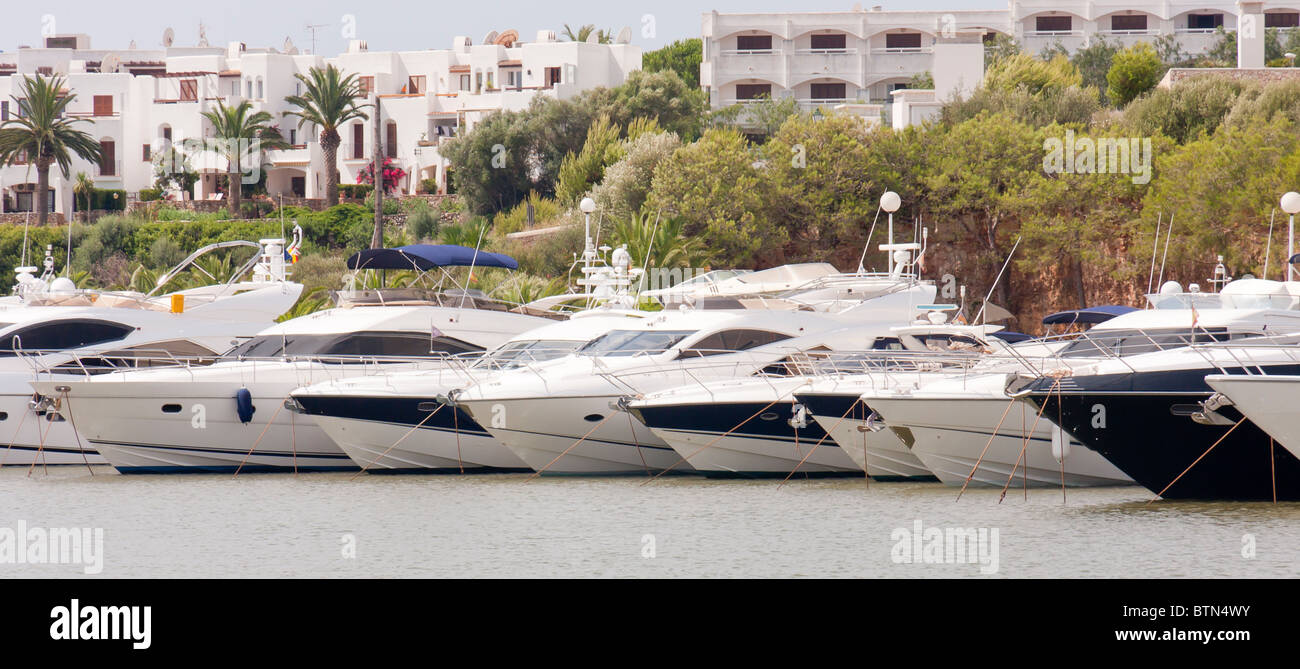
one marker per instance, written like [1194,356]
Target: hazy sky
[384,24]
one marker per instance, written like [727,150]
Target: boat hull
[872,448]
[407,435]
[750,439]
[1153,439]
[957,439]
[575,435]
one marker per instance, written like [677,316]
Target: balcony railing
[112,170]
[1195,31]
[901,50]
[825,52]
[1053,33]
[748,52]
[1143,31]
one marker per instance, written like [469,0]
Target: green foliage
[1001,47]
[715,188]
[510,154]
[468,233]
[682,56]
[1185,111]
[1223,188]
[149,194]
[545,212]
[825,178]
[580,171]
[1135,71]
[923,81]
[1094,62]
[763,117]
[1071,105]
[626,184]
[429,186]
[355,191]
[1022,70]
[165,252]
[658,242]
[391,205]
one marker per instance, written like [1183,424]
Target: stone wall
[19,217]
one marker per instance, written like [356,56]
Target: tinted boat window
[632,342]
[398,344]
[515,354]
[733,340]
[1133,342]
[63,335]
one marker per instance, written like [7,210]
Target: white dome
[63,285]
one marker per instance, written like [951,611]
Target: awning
[425,257]
[1091,315]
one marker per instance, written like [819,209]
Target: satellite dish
[289,48]
[594,37]
[508,38]
[169,37]
[625,35]
[490,38]
[109,64]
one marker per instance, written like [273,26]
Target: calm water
[508,525]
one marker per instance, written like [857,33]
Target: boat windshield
[1132,342]
[519,353]
[374,344]
[634,342]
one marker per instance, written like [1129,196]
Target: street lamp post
[1291,205]
[890,203]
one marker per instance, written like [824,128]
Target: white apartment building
[142,100]
[864,55]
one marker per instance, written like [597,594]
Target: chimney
[1250,34]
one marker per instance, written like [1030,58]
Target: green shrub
[429,186]
[165,253]
[355,191]
[149,194]
[108,199]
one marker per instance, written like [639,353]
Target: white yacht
[230,415]
[1270,401]
[759,425]
[59,333]
[564,416]
[968,426]
[400,422]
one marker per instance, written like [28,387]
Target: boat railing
[85,362]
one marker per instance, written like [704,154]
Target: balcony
[747,52]
[1053,33]
[113,170]
[810,104]
[826,52]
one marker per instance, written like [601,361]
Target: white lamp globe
[588,205]
[890,201]
[1291,203]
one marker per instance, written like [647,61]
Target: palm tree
[235,131]
[659,242]
[584,32]
[43,135]
[84,188]
[328,102]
